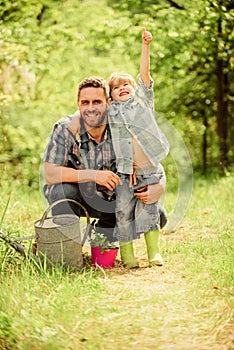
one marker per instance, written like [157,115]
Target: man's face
[93,106]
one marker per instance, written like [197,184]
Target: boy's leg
[152,245]
[124,212]
[150,218]
[127,254]
[125,225]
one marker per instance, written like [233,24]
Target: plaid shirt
[135,119]
[84,153]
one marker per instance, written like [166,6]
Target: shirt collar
[86,137]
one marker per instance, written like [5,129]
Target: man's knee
[162,215]
[65,191]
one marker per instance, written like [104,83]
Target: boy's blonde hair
[118,78]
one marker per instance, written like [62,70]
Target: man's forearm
[56,174]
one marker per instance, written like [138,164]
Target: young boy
[139,146]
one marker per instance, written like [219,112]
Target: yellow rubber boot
[151,239]
[127,255]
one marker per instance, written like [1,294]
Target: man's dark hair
[96,82]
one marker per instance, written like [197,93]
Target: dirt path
[168,308]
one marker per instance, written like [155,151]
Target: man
[79,161]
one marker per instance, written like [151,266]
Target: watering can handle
[44,216]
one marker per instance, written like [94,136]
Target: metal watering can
[58,238]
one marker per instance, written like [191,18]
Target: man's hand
[108,179]
[146,37]
[151,195]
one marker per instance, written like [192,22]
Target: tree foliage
[193,66]
[47,47]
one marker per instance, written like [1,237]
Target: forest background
[47,47]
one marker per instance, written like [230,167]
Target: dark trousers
[96,206]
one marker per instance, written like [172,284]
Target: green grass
[186,304]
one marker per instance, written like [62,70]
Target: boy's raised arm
[145,57]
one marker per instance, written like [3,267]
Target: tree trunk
[222,107]
[204,145]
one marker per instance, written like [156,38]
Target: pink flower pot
[105,259]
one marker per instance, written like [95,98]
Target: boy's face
[122,91]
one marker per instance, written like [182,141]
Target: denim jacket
[135,118]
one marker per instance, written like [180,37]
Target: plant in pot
[103,252]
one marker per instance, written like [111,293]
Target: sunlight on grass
[36,306]
[186,304]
